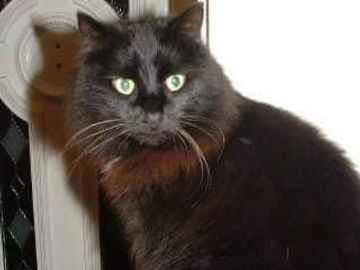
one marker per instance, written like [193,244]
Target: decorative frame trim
[205,27]
[153,7]
[40,199]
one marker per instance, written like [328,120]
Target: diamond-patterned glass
[17,227]
[20,228]
[13,142]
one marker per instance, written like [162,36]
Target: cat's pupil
[175,81]
[125,85]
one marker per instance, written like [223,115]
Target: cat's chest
[143,170]
[155,168]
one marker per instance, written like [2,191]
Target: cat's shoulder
[268,118]
[281,137]
[268,124]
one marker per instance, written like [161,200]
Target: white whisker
[199,154]
[81,140]
[101,141]
[87,128]
[191,120]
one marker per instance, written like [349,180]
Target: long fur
[228,183]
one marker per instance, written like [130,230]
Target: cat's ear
[89,27]
[189,22]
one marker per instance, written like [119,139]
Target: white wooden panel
[138,8]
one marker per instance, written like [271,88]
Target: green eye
[175,82]
[124,86]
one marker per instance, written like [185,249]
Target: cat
[201,176]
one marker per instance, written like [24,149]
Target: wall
[303,56]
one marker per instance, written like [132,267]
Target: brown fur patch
[149,167]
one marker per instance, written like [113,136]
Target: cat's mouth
[153,138]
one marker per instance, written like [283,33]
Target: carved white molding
[19,48]
[153,7]
[205,26]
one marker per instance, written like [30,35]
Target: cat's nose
[152,103]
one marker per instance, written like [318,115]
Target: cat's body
[274,196]
[281,198]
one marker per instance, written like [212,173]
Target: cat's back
[292,191]
[295,157]
[284,145]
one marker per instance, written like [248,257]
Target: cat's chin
[154,140]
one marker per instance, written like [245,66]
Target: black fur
[281,196]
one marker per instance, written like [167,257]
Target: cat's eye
[175,82]
[124,86]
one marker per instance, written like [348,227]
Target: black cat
[202,177]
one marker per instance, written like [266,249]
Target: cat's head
[151,79]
